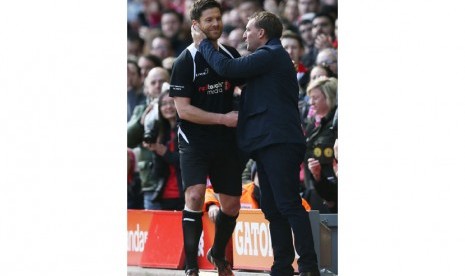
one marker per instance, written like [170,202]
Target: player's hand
[229,119]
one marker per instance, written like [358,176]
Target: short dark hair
[328,71]
[293,35]
[130,61]
[201,5]
[305,22]
[269,22]
[154,59]
[323,14]
[134,37]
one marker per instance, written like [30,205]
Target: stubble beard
[212,37]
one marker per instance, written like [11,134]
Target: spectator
[168,63]
[326,186]
[150,15]
[135,94]
[161,47]
[310,53]
[136,129]
[272,6]
[134,8]
[320,71]
[330,9]
[323,31]
[246,8]
[305,31]
[186,15]
[294,45]
[177,5]
[308,6]
[228,4]
[316,72]
[291,12]
[172,28]
[154,83]
[320,139]
[135,45]
[235,37]
[148,35]
[146,63]
[135,198]
[328,58]
[232,18]
[168,193]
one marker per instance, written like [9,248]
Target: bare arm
[190,113]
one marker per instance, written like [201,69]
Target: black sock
[191,230]
[224,227]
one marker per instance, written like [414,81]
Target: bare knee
[195,197]
[230,205]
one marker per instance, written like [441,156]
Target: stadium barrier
[155,240]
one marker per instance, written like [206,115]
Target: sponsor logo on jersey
[204,73]
[216,88]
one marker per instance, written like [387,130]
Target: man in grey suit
[269,129]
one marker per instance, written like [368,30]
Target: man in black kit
[207,140]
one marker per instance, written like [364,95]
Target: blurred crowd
[159,30]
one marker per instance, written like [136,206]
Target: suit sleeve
[236,81]
[254,64]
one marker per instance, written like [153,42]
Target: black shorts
[223,166]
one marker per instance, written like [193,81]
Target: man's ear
[261,33]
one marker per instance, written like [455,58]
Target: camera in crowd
[151,135]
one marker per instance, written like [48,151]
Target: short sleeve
[182,76]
